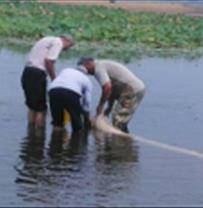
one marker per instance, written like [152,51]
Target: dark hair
[67,37]
[84,60]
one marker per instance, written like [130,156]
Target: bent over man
[118,84]
[70,91]
[40,63]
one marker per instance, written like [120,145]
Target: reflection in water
[64,148]
[32,155]
[115,149]
[43,174]
[115,165]
[103,171]
[71,172]
[30,167]
[58,139]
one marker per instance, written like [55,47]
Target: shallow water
[97,171]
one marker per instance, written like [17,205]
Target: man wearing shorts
[40,63]
[118,84]
[70,91]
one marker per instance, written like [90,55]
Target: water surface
[52,170]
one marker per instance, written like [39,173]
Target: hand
[99,109]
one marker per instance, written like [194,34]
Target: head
[88,63]
[67,41]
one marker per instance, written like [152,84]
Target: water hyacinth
[114,31]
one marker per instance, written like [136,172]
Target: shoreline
[98,34]
[95,49]
[168,8]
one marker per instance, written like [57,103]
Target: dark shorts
[61,99]
[34,84]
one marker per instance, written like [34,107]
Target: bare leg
[31,117]
[40,119]
[40,124]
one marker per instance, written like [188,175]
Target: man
[70,91]
[40,63]
[118,84]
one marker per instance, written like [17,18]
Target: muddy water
[52,170]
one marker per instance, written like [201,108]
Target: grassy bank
[106,32]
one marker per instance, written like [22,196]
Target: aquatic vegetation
[102,30]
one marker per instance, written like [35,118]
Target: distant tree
[112,1]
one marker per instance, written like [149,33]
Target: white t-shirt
[76,81]
[108,70]
[45,48]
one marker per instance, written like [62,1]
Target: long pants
[127,103]
[61,99]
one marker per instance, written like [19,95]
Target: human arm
[52,55]
[110,105]
[106,92]
[86,104]
[104,80]
[49,64]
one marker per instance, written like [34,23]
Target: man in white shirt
[70,91]
[118,84]
[40,63]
